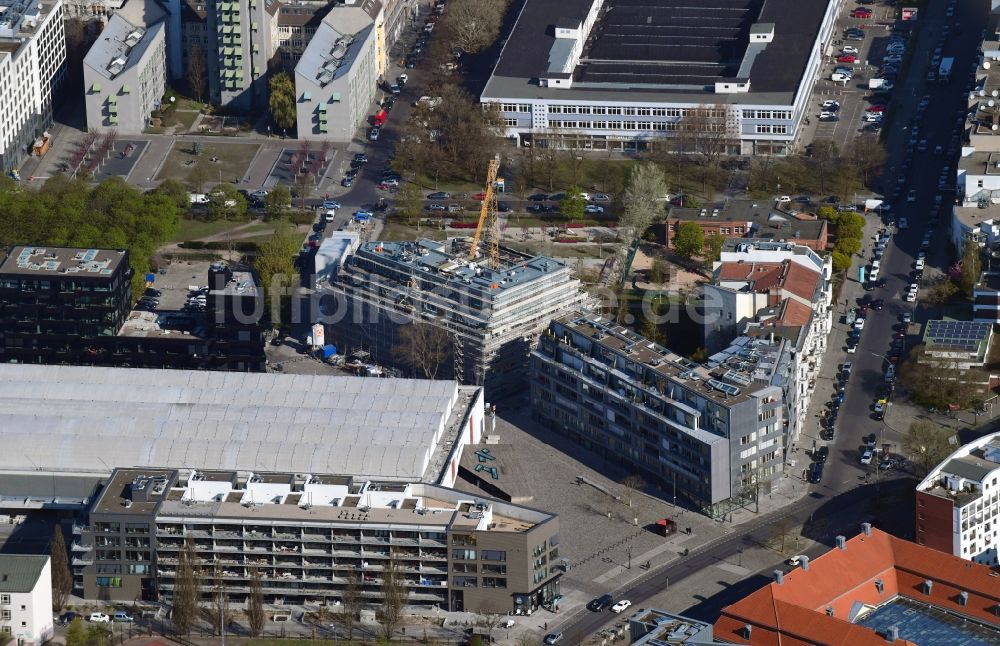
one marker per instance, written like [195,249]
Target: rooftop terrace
[55,261]
[276,496]
[720,382]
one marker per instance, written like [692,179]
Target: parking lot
[863,54]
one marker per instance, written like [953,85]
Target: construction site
[491,317]
[485,303]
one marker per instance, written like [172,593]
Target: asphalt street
[938,123]
[840,489]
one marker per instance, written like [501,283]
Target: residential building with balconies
[958,503]
[309,537]
[701,432]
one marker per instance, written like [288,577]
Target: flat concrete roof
[97,418]
[61,261]
[674,52]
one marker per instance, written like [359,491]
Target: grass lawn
[197,229]
[186,117]
[234,159]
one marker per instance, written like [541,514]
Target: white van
[198,198]
[840,78]
[875,266]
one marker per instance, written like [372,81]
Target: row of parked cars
[67,618]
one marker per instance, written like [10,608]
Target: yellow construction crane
[488,228]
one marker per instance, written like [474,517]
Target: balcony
[77,547]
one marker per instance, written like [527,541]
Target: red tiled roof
[801,281]
[751,271]
[841,579]
[793,313]
[766,276]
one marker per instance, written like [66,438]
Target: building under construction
[491,316]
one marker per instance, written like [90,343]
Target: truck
[879,84]
[944,70]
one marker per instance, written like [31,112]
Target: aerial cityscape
[516,322]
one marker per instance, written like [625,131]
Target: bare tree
[633,483]
[62,577]
[643,201]
[220,610]
[547,161]
[394,595]
[928,444]
[490,618]
[708,132]
[473,25]
[423,347]
[350,605]
[781,530]
[255,604]
[197,75]
[185,598]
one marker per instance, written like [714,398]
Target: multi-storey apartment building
[236,37]
[594,74]
[308,536]
[336,79]
[32,64]
[125,71]
[958,503]
[296,26]
[73,306]
[703,433]
[490,316]
[26,599]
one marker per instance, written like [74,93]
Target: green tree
[275,264]
[62,577]
[76,634]
[185,597]
[282,100]
[96,635]
[226,203]
[177,192]
[972,267]
[713,248]
[688,240]
[928,444]
[826,213]
[841,261]
[277,202]
[573,205]
[409,201]
[847,246]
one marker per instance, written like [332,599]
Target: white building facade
[336,80]
[32,64]
[958,503]
[555,85]
[26,598]
[125,75]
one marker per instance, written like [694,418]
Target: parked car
[538,197]
[866,457]
[554,638]
[122,616]
[99,618]
[847,58]
[621,606]
[593,208]
[600,603]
